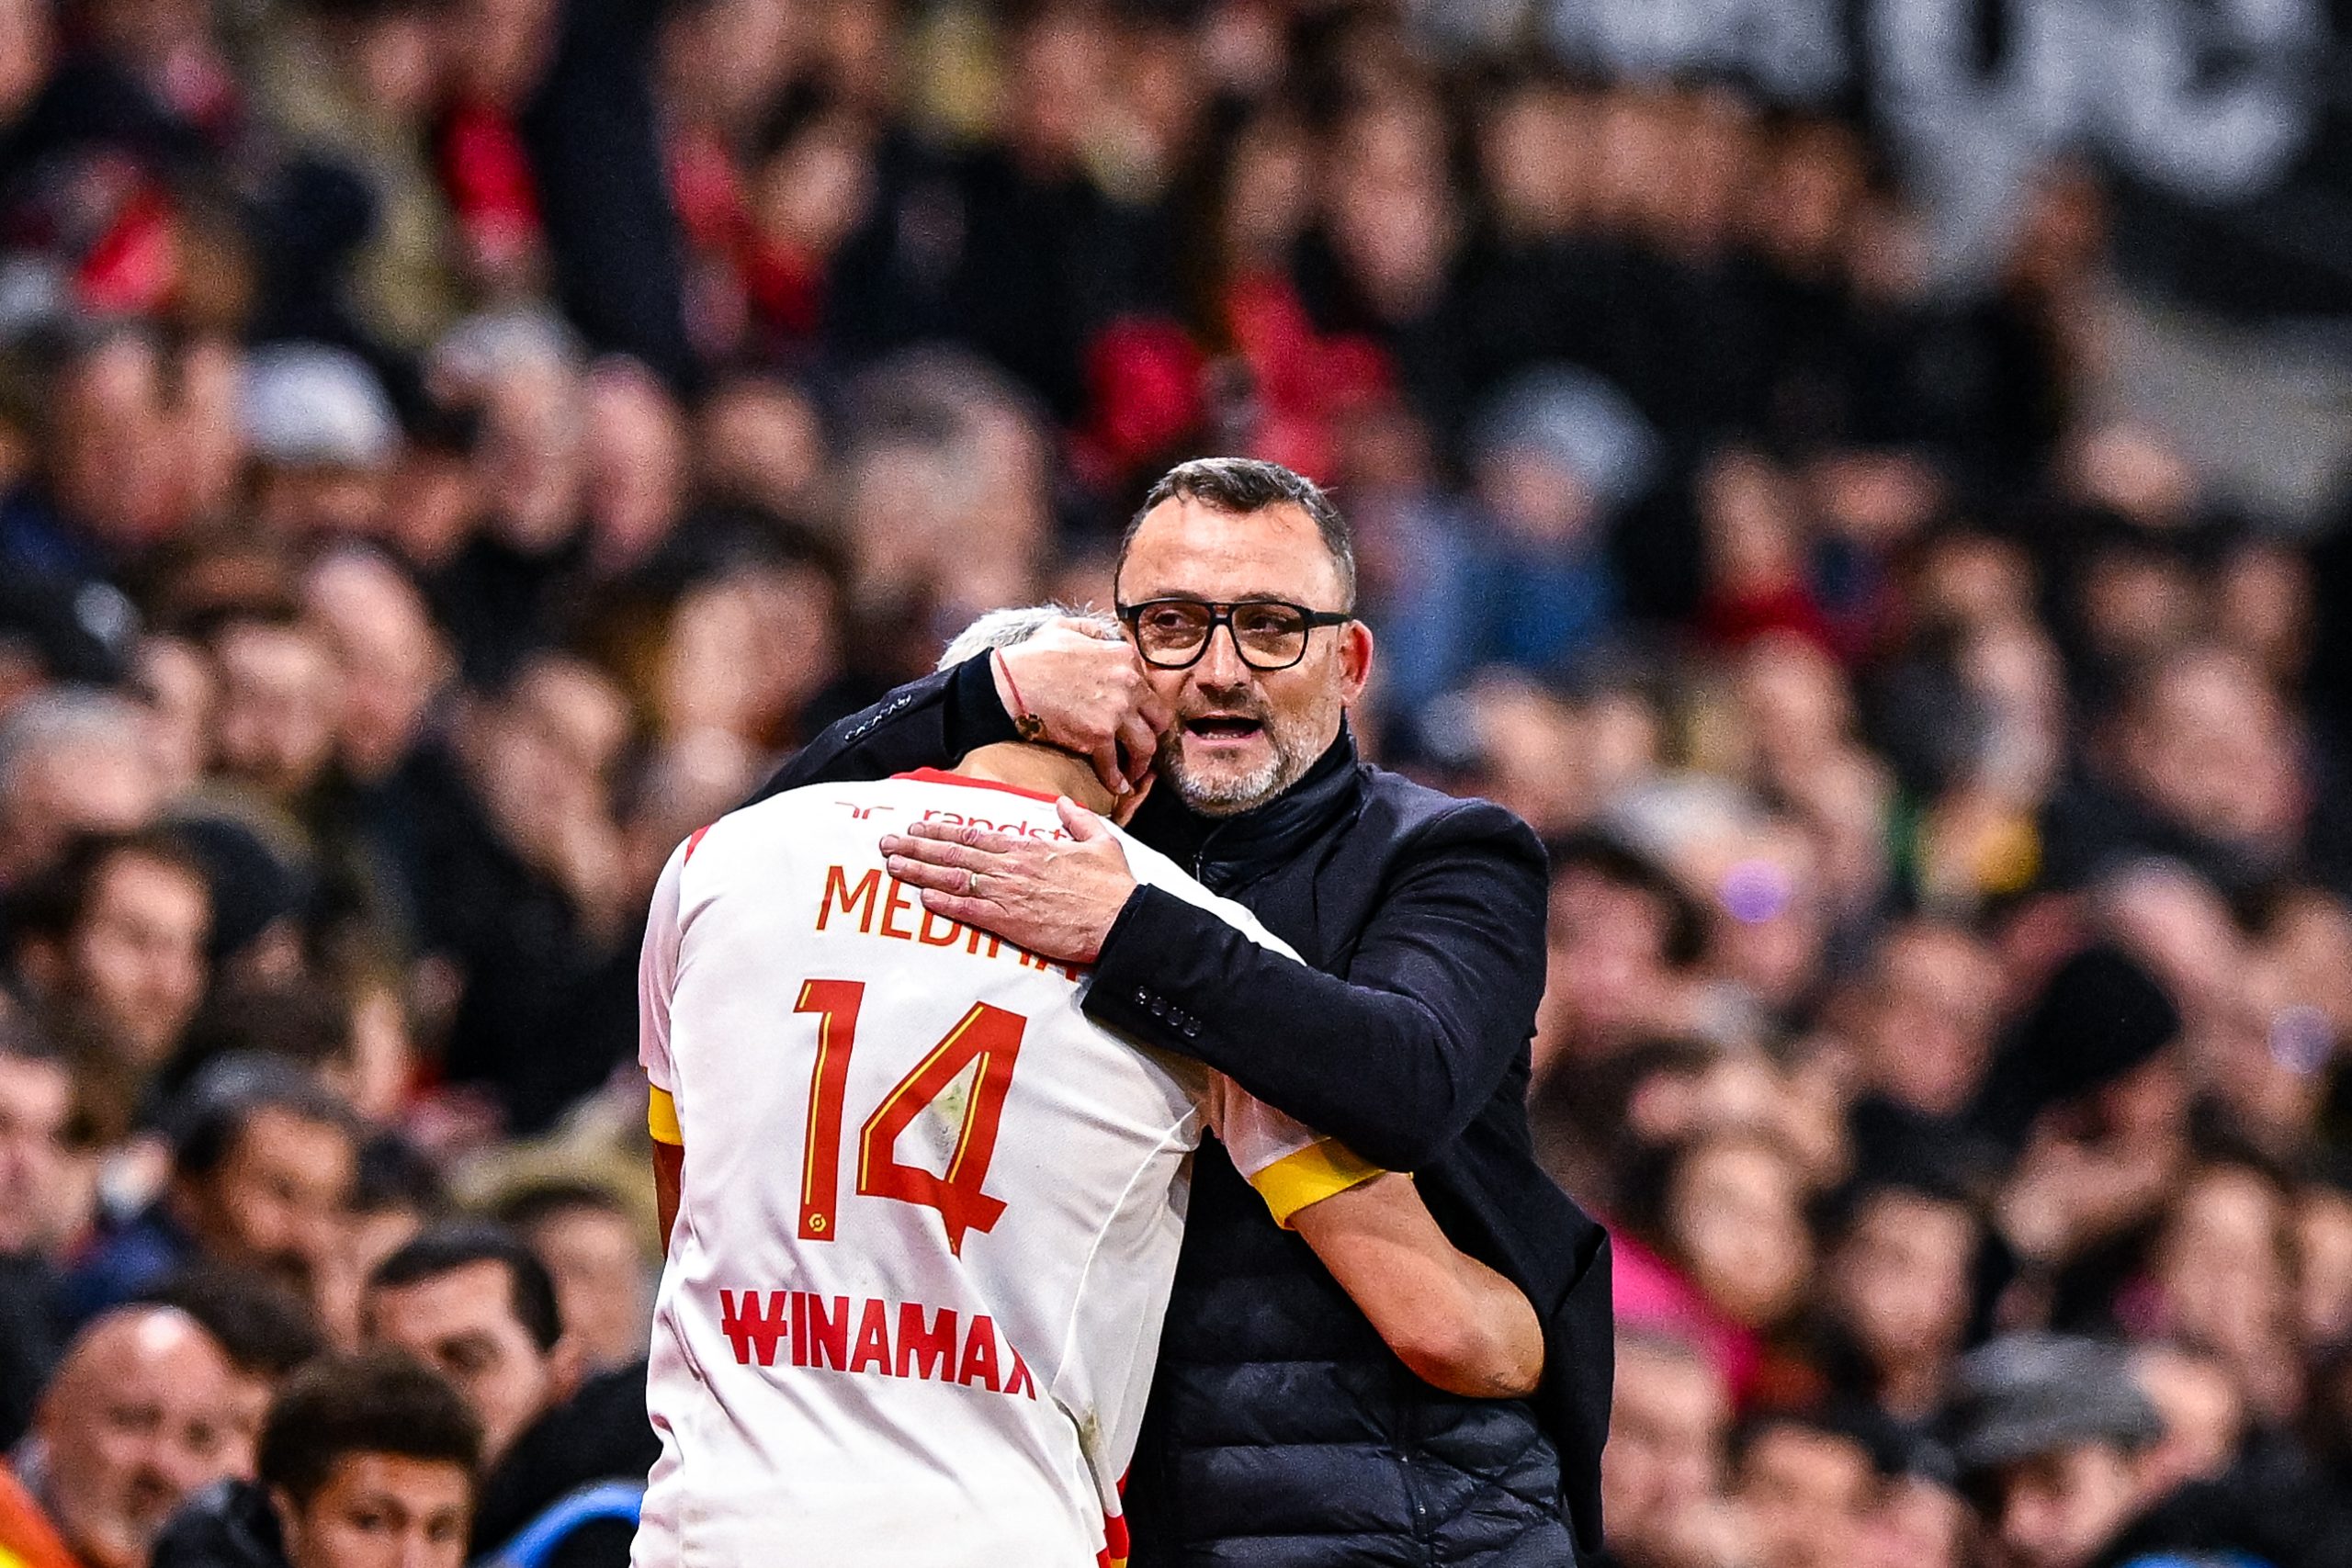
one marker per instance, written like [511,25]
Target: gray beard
[1232,795]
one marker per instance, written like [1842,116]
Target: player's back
[930,1212]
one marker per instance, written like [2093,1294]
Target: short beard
[1230,795]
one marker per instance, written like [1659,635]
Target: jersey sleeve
[1290,1164]
[657,974]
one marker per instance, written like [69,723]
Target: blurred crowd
[450,449]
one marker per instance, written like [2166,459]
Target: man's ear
[290,1522]
[566,1367]
[1355,660]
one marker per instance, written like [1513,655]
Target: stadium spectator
[587,1240]
[1622,934]
[261,1167]
[1896,1295]
[364,1461]
[71,760]
[140,1415]
[112,946]
[2069,1457]
[471,1300]
[531,891]
[275,710]
[475,1303]
[1662,1474]
[36,1215]
[265,1330]
[1807,1486]
[2052,1431]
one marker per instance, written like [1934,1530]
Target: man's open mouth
[1223,727]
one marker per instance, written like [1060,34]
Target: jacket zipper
[1408,1440]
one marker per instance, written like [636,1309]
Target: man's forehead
[463,1297]
[154,1354]
[1811,1448]
[2058,1466]
[402,1479]
[1185,546]
[279,1138]
[134,870]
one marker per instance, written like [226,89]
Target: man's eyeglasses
[1172,634]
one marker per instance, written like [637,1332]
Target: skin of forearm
[669,1163]
[1454,1322]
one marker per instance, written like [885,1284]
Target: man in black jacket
[1281,1429]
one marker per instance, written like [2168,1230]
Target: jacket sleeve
[929,723]
[1394,1054]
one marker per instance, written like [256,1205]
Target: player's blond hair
[1009,628]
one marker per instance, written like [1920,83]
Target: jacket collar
[1226,853]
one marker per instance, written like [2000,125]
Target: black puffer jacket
[1282,1434]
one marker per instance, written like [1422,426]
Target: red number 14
[989,1034]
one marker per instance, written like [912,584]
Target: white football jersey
[930,1210]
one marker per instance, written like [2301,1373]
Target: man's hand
[1058,898]
[1088,691]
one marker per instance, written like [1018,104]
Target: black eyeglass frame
[1221,615]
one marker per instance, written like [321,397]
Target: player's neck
[1039,768]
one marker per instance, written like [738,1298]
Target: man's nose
[178,1466]
[1221,662]
[268,1222]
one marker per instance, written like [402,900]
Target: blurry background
[1864,478]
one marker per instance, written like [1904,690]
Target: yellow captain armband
[1320,1170]
[661,1119]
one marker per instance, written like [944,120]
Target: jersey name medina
[930,1211]
[903,917]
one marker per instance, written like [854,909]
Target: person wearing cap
[2060,1449]
[1522,575]
[2049,1432]
[323,435]
[2093,1079]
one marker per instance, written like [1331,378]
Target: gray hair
[483,346]
[61,717]
[1009,628]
